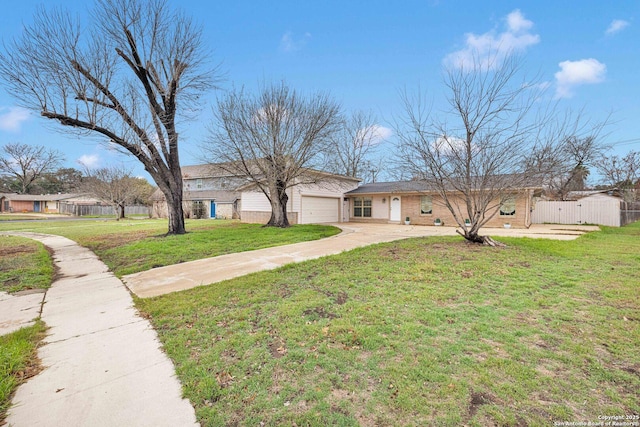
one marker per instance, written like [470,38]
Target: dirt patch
[395,253]
[341,298]
[357,403]
[477,400]
[115,240]
[635,369]
[224,379]
[8,283]
[277,349]
[319,312]
[16,250]
[283,291]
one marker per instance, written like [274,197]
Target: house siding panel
[255,201]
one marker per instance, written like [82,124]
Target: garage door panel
[320,209]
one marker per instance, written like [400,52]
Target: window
[508,207]
[199,209]
[362,207]
[426,205]
[198,183]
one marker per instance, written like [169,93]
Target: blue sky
[365,53]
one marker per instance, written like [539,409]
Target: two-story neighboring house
[212,192]
[208,192]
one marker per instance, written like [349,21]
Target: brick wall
[22,206]
[411,209]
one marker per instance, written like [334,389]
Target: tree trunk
[476,238]
[170,183]
[173,196]
[279,201]
[121,211]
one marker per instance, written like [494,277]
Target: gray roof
[219,196]
[577,195]
[205,171]
[37,197]
[392,187]
[424,186]
[215,170]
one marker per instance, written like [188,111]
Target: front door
[36,206]
[395,214]
[213,210]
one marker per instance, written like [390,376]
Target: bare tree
[273,138]
[476,158]
[116,186]
[622,173]
[372,169]
[354,145]
[565,163]
[139,65]
[26,163]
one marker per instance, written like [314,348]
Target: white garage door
[319,209]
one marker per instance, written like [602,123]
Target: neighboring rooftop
[391,187]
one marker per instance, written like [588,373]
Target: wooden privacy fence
[602,212]
[101,210]
[630,212]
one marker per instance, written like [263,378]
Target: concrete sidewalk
[20,310]
[178,277]
[103,365]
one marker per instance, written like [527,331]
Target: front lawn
[430,331]
[129,246]
[24,264]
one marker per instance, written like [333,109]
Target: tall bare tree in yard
[26,163]
[273,138]
[475,157]
[127,78]
[622,172]
[354,144]
[564,164]
[116,186]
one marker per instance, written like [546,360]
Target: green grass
[16,217]
[24,264]
[430,331]
[18,361]
[129,246]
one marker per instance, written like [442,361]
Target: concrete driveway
[163,280]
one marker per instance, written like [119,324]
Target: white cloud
[576,73]
[12,119]
[374,135]
[616,26]
[89,161]
[492,47]
[289,44]
[450,145]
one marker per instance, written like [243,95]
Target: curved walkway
[178,277]
[103,365]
